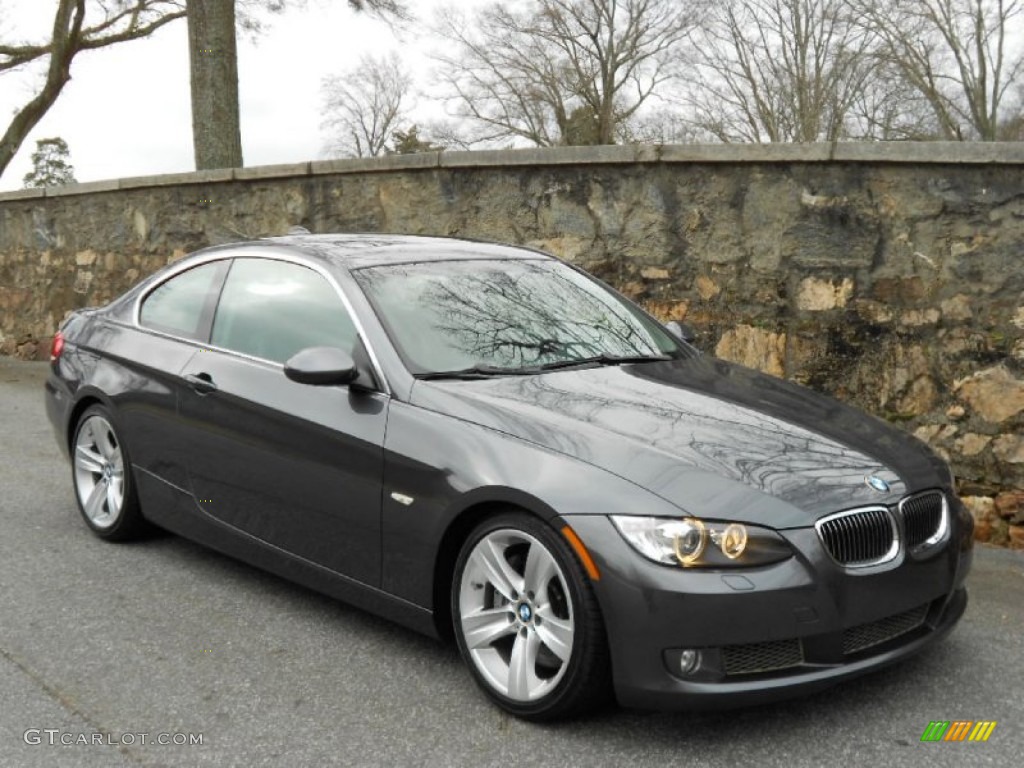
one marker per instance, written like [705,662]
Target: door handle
[201,382]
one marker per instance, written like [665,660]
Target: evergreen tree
[51,164]
[409,143]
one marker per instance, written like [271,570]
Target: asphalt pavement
[106,650]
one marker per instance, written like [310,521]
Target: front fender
[438,470]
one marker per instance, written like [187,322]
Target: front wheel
[103,479]
[527,622]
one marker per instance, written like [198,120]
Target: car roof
[356,251]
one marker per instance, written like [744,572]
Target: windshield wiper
[602,359]
[476,372]
[484,371]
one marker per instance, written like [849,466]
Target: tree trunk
[213,58]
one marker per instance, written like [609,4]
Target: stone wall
[888,275]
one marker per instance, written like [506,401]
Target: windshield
[507,316]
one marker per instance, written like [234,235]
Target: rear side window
[184,304]
[273,309]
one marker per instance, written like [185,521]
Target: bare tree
[363,106]
[1012,126]
[78,25]
[661,126]
[448,134]
[780,70]
[889,108]
[961,56]
[559,71]
[388,10]
[213,60]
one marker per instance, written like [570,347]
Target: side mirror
[322,366]
[681,331]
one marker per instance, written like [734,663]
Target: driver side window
[272,309]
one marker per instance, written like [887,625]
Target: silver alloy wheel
[516,615]
[99,471]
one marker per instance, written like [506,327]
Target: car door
[294,465]
[173,318]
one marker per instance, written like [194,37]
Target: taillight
[56,346]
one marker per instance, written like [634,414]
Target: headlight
[695,543]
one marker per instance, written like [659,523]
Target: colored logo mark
[877,483]
[958,730]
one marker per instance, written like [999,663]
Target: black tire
[551,660]
[102,478]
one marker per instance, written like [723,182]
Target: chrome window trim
[939,536]
[890,555]
[277,256]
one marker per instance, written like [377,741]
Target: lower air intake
[856,639]
[752,658]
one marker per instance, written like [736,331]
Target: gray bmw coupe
[482,442]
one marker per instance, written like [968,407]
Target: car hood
[713,438]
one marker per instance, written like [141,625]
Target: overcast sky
[126,110]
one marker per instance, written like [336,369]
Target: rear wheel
[103,481]
[527,622]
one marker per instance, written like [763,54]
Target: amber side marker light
[581,550]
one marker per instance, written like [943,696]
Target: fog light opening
[689,660]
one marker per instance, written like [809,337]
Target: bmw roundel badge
[877,483]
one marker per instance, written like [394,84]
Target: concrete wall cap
[932,152]
[34,193]
[909,152]
[271,171]
[622,154]
[172,179]
[375,164]
[745,153]
[85,188]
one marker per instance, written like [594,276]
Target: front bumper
[767,633]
